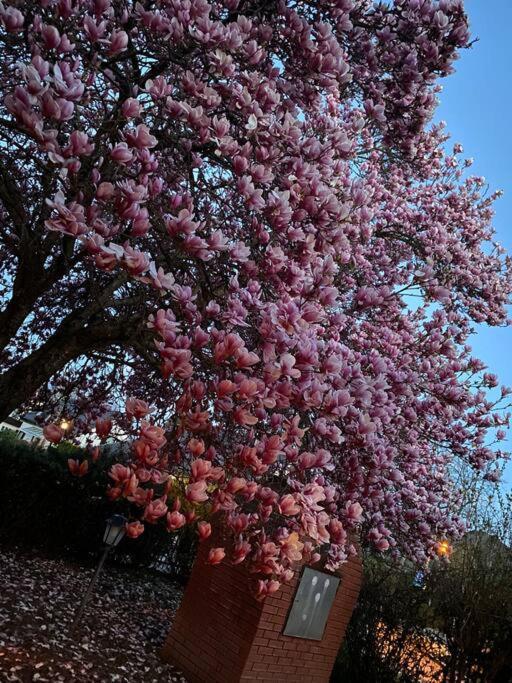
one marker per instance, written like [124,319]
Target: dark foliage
[455,621]
[384,594]
[43,506]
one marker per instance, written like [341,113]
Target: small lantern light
[115,530]
[65,425]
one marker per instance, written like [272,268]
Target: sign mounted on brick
[312,604]
[222,634]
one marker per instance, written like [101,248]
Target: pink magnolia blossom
[153,435]
[236,485]
[140,138]
[53,433]
[291,547]
[121,153]
[240,552]
[78,469]
[354,511]
[204,529]
[103,426]
[288,506]
[216,555]
[131,108]
[266,587]
[118,42]
[136,407]
[120,473]
[154,510]
[231,237]
[175,520]
[12,18]
[135,261]
[134,529]
[196,447]
[200,469]
[196,492]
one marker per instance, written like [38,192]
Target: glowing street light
[444,549]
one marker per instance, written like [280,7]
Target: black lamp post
[114,532]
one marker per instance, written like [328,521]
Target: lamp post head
[115,530]
[444,549]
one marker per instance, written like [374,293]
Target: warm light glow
[64,425]
[420,654]
[444,549]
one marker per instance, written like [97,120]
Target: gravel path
[124,626]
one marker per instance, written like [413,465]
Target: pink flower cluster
[262,173]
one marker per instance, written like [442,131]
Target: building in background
[25,428]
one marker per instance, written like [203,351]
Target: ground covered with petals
[120,636]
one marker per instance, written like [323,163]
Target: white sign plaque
[313,601]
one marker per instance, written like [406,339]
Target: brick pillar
[221,634]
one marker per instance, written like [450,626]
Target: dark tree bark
[21,382]
[102,323]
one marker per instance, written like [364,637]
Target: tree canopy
[236,212]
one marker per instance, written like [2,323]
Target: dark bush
[453,624]
[43,506]
[387,597]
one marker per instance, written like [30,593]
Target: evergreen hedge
[43,506]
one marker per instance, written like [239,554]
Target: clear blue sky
[476,103]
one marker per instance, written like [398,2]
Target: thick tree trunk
[21,382]
[14,314]
[31,282]
[84,330]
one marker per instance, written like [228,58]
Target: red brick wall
[221,634]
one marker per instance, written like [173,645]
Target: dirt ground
[118,640]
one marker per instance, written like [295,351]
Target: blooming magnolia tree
[234,211]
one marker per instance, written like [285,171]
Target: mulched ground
[118,641]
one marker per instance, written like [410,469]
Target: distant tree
[454,625]
[472,602]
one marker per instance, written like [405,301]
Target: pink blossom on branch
[134,529]
[228,237]
[53,433]
[216,555]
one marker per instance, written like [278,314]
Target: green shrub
[43,506]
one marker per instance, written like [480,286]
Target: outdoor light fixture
[64,425]
[114,532]
[444,549]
